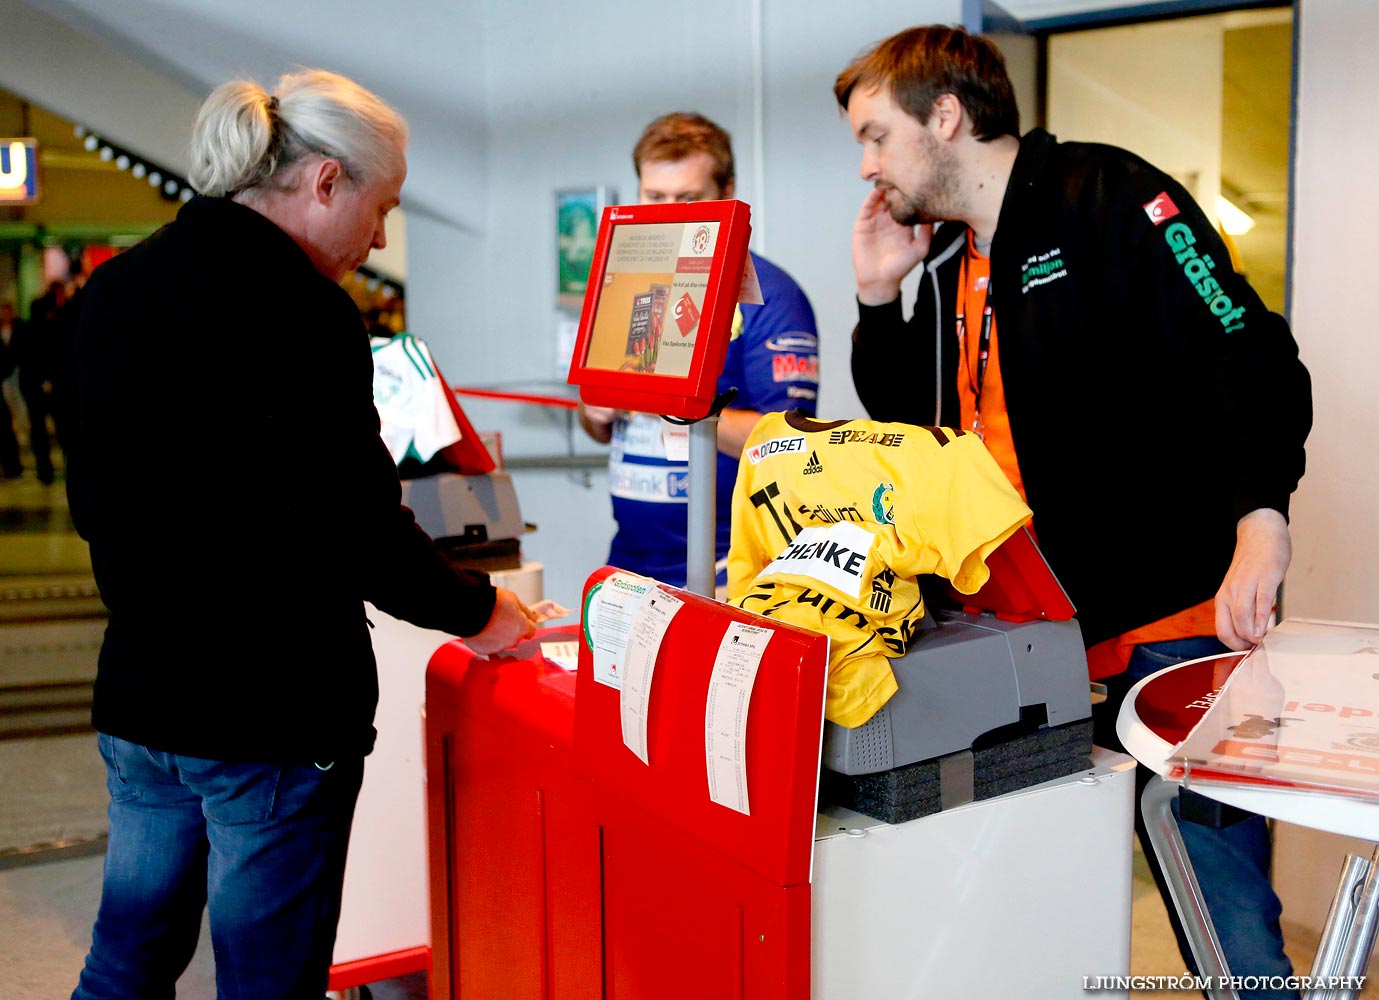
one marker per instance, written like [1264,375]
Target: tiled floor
[51,787]
[52,783]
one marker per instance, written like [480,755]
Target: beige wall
[1335,570]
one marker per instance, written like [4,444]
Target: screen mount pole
[702,533]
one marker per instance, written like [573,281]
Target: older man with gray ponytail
[236,684]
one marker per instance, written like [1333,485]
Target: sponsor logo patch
[806,342]
[883,503]
[886,440]
[795,368]
[774,446]
[800,392]
[830,515]
[881,586]
[813,465]
[1160,208]
[1042,268]
[648,483]
[1197,269]
[834,555]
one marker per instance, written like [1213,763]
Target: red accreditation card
[686,314]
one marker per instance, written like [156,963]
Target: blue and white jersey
[774,365]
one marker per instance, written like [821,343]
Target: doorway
[1207,99]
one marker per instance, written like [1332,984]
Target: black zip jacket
[1153,399]
[240,506]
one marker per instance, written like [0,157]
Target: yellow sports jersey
[832,522]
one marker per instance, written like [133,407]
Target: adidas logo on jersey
[813,465]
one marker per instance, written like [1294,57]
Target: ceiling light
[1233,220]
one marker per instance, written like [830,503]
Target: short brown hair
[683,133]
[921,64]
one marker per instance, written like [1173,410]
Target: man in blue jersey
[773,362]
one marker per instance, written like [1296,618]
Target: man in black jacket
[227,470]
[1078,310]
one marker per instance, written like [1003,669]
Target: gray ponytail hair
[246,141]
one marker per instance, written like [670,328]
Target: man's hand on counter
[511,622]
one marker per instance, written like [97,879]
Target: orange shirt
[983,410]
[985,416]
[1113,655]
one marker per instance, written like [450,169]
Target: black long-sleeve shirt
[227,471]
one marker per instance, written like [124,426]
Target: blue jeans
[1231,862]
[261,845]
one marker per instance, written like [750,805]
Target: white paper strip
[725,716]
[649,623]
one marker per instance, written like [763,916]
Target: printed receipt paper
[626,623]
[608,622]
[725,717]
[648,630]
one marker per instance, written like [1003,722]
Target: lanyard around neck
[983,336]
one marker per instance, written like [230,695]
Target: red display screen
[658,309]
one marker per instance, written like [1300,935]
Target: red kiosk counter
[566,865]
[563,866]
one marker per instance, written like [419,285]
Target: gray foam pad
[912,791]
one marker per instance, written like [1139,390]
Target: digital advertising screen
[658,310]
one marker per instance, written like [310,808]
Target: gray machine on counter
[475,519]
[992,697]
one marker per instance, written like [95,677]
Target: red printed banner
[1293,718]
[1325,761]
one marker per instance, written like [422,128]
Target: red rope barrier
[560,402]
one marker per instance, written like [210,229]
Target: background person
[773,363]
[1081,313]
[37,347]
[11,337]
[236,684]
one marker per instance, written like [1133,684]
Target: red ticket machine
[663,286]
[562,866]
